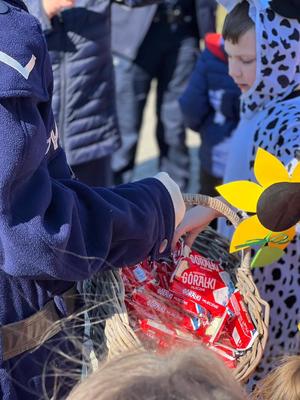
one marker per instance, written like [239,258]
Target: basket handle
[224,209]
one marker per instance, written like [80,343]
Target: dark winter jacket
[54,230]
[79,41]
[210,105]
[129,27]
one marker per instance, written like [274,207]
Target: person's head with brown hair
[281,384]
[237,22]
[240,45]
[189,374]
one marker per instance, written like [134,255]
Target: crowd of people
[75,77]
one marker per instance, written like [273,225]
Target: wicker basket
[120,336]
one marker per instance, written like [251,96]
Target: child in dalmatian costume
[55,231]
[270,118]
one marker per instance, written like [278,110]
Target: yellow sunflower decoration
[245,195]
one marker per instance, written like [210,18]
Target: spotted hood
[278,52]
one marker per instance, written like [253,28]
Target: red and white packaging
[181,290]
[227,354]
[155,334]
[137,275]
[241,329]
[146,305]
[181,250]
[215,328]
[163,267]
[163,273]
[190,300]
[180,301]
[204,276]
[164,335]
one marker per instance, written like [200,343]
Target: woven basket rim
[258,308]
[218,205]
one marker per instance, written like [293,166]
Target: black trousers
[168,56]
[95,172]
[208,183]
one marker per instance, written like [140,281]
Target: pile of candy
[189,299]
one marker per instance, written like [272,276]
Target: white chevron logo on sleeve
[24,71]
[53,140]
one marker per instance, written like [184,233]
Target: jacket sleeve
[137,3]
[60,228]
[35,7]
[194,102]
[230,105]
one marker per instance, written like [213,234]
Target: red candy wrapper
[226,354]
[183,291]
[191,307]
[241,329]
[204,276]
[137,275]
[188,300]
[147,305]
[164,335]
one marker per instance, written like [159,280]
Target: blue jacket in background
[55,231]
[210,105]
[129,27]
[79,42]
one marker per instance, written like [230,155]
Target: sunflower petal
[241,194]
[268,169]
[290,233]
[296,174]
[248,230]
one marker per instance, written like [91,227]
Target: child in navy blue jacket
[55,231]
[210,105]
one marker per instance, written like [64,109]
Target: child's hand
[194,221]
[54,7]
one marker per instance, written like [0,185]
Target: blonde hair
[180,375]
[281,384]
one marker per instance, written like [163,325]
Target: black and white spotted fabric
[278,57]
[277,62]
[272,122]
[287,8]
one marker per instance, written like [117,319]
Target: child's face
[242,60]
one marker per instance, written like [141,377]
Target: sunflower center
[278,207]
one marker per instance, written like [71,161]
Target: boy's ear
[286,8]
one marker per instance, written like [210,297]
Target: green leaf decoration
[265,256]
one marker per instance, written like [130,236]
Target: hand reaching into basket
[194,221]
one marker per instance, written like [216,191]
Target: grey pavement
[147,148]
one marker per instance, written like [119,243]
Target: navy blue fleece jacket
[54,231]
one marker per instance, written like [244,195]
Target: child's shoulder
[22,53]
[284,110]
[279,124]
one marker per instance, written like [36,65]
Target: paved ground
[147,150]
